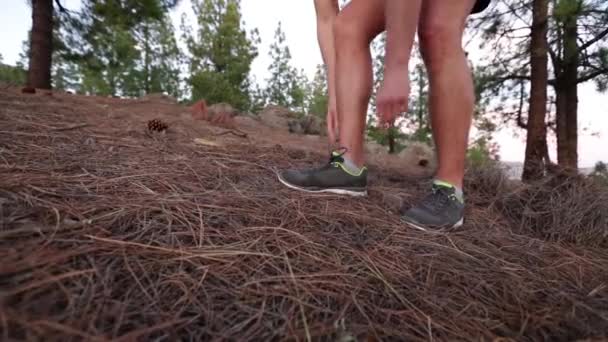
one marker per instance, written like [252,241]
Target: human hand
[393,94]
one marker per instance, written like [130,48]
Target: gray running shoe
[439,210]
[332,177]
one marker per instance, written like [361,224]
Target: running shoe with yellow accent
[441,209]
[333,177]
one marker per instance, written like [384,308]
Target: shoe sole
[333,191]
[426,229]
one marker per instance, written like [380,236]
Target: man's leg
[354,29]
[327,12]
[452,98]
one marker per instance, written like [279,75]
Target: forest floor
[108,232]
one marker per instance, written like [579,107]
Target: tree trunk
[391,141]
[537,132]
[41,45]
[147,62]
[567,94]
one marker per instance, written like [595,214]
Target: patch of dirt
[109,232]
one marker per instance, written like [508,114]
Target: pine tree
[318,99]
[578,52]
[159,62]
[117,14]
[536,139]
[14,75]
[285,86]
[40,58]
[417,118]
[221,53]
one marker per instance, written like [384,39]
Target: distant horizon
[298,23]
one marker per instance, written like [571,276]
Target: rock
[28,90]
[295,126]
[419,154]
[309,125]
[277,116]
[313,125]
[220,114]
[373,148]
[247,120]
[222,108]
[199,110]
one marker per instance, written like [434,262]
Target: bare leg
[327,11]
[452,96]
[356,26]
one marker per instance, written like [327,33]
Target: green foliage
[119,48]
[12,74]
[417,119]
[257,98]
[286,86]
[221,53]
[415,124]
[386,137]
[600,168]
[502,79]
[160,59]
[482,151]
[600,173]
[318,100]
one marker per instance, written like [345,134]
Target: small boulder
[277,117]
[295,126]
[373,148]
[309,125]
[222,109]
[313,125]
[200,110]
[219,114]
[28,90]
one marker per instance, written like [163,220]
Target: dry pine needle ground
[110,233]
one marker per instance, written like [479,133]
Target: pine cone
[157,125]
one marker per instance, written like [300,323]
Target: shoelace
[439,198]
[336,156]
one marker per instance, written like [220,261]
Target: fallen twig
[69,128]
[236,132]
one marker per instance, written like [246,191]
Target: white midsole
[333,191]
[419,227]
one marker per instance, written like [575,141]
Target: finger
[391,112]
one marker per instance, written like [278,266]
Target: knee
[439,42]
[347,33]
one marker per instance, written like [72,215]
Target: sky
[298,22]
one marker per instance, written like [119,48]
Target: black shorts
[480,5]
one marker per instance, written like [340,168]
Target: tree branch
[60,6]
[556,61]
[520,120]
[597,38]
[550,82]
[592,75]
